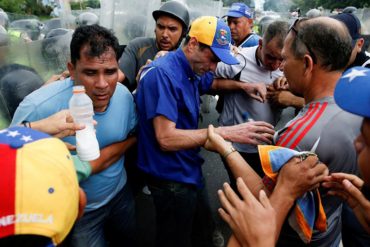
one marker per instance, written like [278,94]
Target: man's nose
[101,82]
[276,65]
[165,32]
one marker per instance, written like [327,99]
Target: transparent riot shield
[129,19]
[364,16]
[48,56]
[4,113]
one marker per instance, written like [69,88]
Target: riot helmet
[87,19]
[350,9]
[16,82]
[4,39]
[312,13]
[55,48]
[4,20]
[174,9]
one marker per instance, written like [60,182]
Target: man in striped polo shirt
[315,53]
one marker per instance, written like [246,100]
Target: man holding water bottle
[94,64]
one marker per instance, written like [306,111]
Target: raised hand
[247,217]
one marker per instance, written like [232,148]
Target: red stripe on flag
[7,189]
[289,134]
[309,126]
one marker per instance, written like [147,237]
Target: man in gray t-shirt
[172,21]
[312,67]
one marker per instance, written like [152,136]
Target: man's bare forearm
[110,154]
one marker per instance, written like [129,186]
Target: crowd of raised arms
[293,133]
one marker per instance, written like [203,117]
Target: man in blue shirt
[240,21]
[94,64]
[168,100]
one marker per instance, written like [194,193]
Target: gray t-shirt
[237,103]
[136,53]
[322,122]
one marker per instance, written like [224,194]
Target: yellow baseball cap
[214,32]
[39,189]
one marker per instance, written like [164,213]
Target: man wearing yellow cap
[40,198]
[168,99]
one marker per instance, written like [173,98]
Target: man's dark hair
[330,46]
[98,38]
[26,240]
[278,30]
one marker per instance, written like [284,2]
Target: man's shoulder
[168,63]
[44,101]
[50,91]
[142,42]
[122,90]
[248,51]
[251,40]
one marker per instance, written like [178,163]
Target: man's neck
[321,85]
[243,40]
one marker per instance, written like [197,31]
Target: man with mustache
[172,21]
[94,64]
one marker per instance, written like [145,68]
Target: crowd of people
[310,189]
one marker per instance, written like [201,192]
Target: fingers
[332,185]
[226,205]
[354,192]
[358,182]
[225,216]
[264,200]
[262,138]
[262,126]
[210,130]
[244,191]
[261,91]
[70,146]
[231,195]
[280,83]
[257,97]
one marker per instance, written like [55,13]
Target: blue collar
[184,63]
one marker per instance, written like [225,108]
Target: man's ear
[260,42]
[193,43]
[359,44]
[307,63]
[71,69]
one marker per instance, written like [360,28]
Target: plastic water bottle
[82,111]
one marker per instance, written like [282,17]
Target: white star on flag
[13,133]
[26,138]
[354,73]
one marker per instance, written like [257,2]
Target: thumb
[354,192]
[256,97]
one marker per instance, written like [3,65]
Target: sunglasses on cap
[293,28]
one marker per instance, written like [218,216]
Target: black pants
[183,214]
